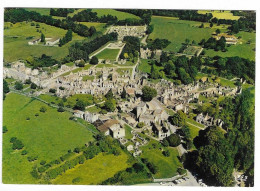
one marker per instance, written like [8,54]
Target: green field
[220,15]
[16,45]
[109,54]
[96,170]
[47,136]
[42,11]
[120,15]
[99,26]
[85,78]
[167,166]
[177,31]
[241,49]
[128,134]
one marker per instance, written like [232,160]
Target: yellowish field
[220,15]
[95,170]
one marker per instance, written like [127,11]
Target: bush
[166,153]
[60,109]
[148,93]
[18,86]
[174,140]
[52,90]
[24,152]
[33,86]
[5,129]
[13,139]
[94,60]
[43,109]
[43,162]
[76,150]
[181,171]
[36,114]
[17,145]
[76,180]
[140,125]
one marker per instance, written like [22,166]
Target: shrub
[43,109]
[33,86]
[5,129]
[94,60]
[36,114]
[13,139]
[43,162]
[18,86]
[76,180]
[60,109]
[166,153]
[52,90]
[174,140]
[24,152]
[140,125]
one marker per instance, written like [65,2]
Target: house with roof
[112,127]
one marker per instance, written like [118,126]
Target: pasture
[109,54]
[17,36]
[245,47]
[99,26]
[177,31]
[42,11]
[48,136]
[167,166]
[120,15]
[220,15]
[96,170]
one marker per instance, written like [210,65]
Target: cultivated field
[48,136]
[177,31]
[220,15]
[120,15]
[107,53]
[96,170]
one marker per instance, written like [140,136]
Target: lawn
[144,66]
[122,71]
[16,41]
[47,136]
[99,26]
[220,15]
[177,31]
[128,134]
[193,122]
[85,78]
[96,170]
[167,166]
[42,11]
[94,109]
[120,15]
[241,49]
[109,54]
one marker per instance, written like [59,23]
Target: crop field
[177,31]
[96,170]
[48,136]
[109,54]
[16,38]
[220,15]
[167,166]
[245,47]
[120,15]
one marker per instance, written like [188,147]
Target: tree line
[81,50]
[15,15]
[60,12]
[66,38]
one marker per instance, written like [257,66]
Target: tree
[217,31]
[178,119]
[18,86]
[123,94]
[42,38]
[211,25]
[5,88]
[174,140]
[94,60]
[60,109]
[5,129]
[166,153]
[33,86]
[43,109]
[109,94]
[80,105]
[52,90]
[140,125]
[110,105]
[148,93]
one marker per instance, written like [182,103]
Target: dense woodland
[60,12]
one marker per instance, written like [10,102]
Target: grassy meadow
[109,54]
[96,170]
[120,15]
[177,31]
[48,136]
[167,166]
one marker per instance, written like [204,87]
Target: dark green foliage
[35,174]
[42,37]
[80,51]
[174,140]
[158,44]
[109,94]
[60,12]
[138,167]
[149,29]
[24,152]
[80,105]
[5,129]
[52,90]
[61,109]
[17,144]
[148,93]
[178,119]
[43,61]
[181,171]
[15,15]
[43,162]
[76,180]
[217,45]
[140,125]
[18,86]
[66,38]
[131,48]
[33,86]
[110,105]
[76,150]
[123,94]
[5,88]
[43,109]
[94,60]
[165,143]
[166,153]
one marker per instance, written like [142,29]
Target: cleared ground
[48,136]
[95,170]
